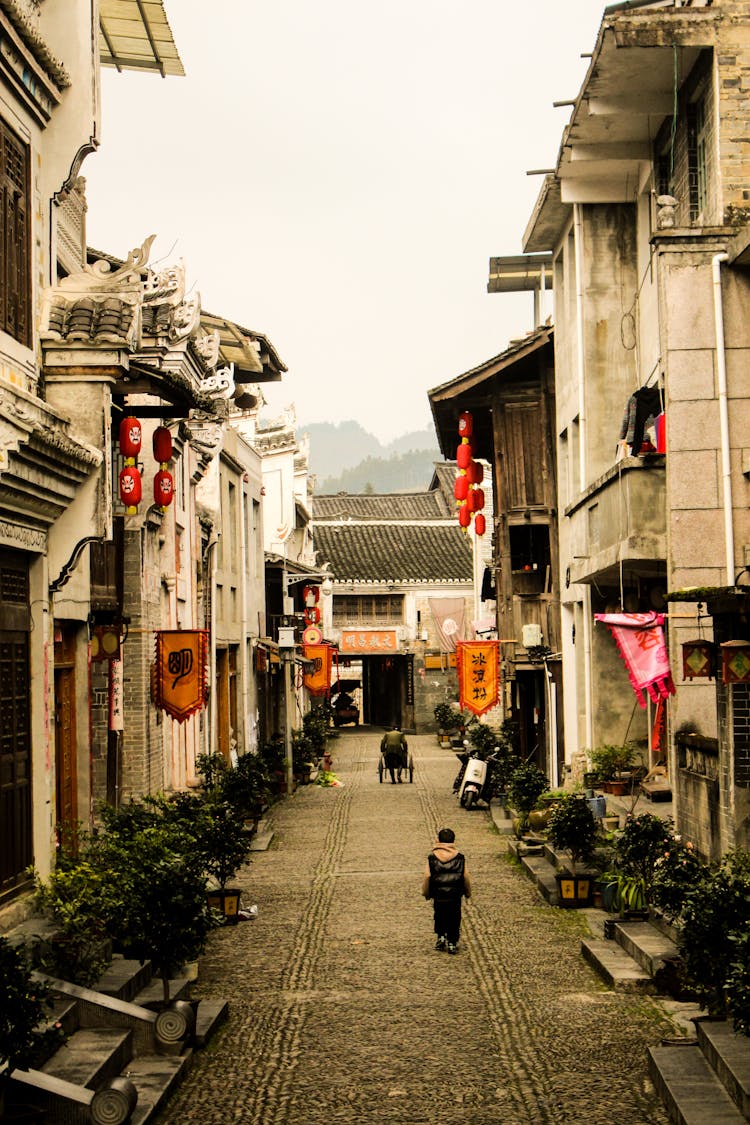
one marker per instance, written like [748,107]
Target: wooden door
[65,732]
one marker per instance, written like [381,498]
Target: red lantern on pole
[471,500]
[162,445]
[461,487]
[479,524]
[163,488]
[465,424]
[463,455]
[464,515]
[478,499]
[130,438]
[131,488]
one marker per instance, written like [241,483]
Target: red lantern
[464,515]
[162,445]
[475,472]
[479,524]
[461,487]
[311,595]
[463,455]
[478,499]
[163,488]
[465,424]
[130,437]
[471,500]
[130,488]
[312,615]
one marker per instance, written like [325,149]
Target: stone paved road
[342,1011]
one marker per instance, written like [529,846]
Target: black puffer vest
[446,878]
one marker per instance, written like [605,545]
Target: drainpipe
[212,731]
[581,370]
[580,365]
[721,371]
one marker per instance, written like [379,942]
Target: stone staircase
[702,1073]
[123,1051]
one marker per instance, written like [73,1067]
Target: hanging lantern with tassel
[131,489]
[162,445]
[465,424]
[479,524]
[163,488]
[461,487]
[464,515]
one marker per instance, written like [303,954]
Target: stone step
[616,967]
[151,996]
[210,1015]
[542,874]
[646,945]
[689,1088]
[124,978]
[155,1077]
[729,1055]
[90,1056]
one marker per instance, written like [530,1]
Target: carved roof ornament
[23,15]
[220,384]
[207,345]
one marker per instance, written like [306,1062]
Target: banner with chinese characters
[640,640]
[478,675]
[318,679]
[180,672]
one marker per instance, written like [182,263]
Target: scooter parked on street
[474,781]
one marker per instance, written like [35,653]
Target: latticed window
[15,284]
[368,609]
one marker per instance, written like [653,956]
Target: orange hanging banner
[478,675]
[181,671]
[318,679]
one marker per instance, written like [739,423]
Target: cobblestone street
[341,1010]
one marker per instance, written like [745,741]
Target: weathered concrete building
[643,225]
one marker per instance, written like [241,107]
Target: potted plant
[74,897]
[611,762]
[448,720]
[246,786]
[26,1035]
[223,846]
[572,828]
[157,909]
[527,783]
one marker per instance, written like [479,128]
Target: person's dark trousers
[448,919]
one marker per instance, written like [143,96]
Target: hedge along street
[341,1009]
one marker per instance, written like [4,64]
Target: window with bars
[368,609]
[15,278]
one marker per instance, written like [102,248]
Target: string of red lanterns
[130,483]
[469,496]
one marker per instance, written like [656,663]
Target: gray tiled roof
[393,506]
[395,552]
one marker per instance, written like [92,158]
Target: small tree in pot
[572,828]
[527,783]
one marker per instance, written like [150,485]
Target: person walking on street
[395,747]
[446,881]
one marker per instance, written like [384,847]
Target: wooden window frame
[15,236]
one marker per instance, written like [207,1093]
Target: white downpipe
[721,371]
[212,733]
[581,372]
[580,364]
[241,734]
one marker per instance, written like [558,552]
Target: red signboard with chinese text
[478,675]
[369,641]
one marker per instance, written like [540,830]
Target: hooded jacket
[445,876]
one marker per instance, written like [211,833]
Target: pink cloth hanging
[640,640]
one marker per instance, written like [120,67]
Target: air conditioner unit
[531,636]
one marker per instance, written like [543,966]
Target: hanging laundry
[644,405]
[640,640]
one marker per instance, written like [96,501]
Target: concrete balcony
[620,521]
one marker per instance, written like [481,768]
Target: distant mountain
[346,458]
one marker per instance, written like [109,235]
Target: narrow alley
[342,1010]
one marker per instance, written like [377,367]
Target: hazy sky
[336,175]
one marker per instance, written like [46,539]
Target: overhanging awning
[520,273]
[135,35]
[254,357]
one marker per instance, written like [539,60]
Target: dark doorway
[388,691]
[16,853]
[530,704]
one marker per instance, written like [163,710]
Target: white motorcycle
[475,781]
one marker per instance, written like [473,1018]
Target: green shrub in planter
[156,909]
[642,843]
[247,785]
[572,827]
[448,718]
[75,897]
[527,783]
